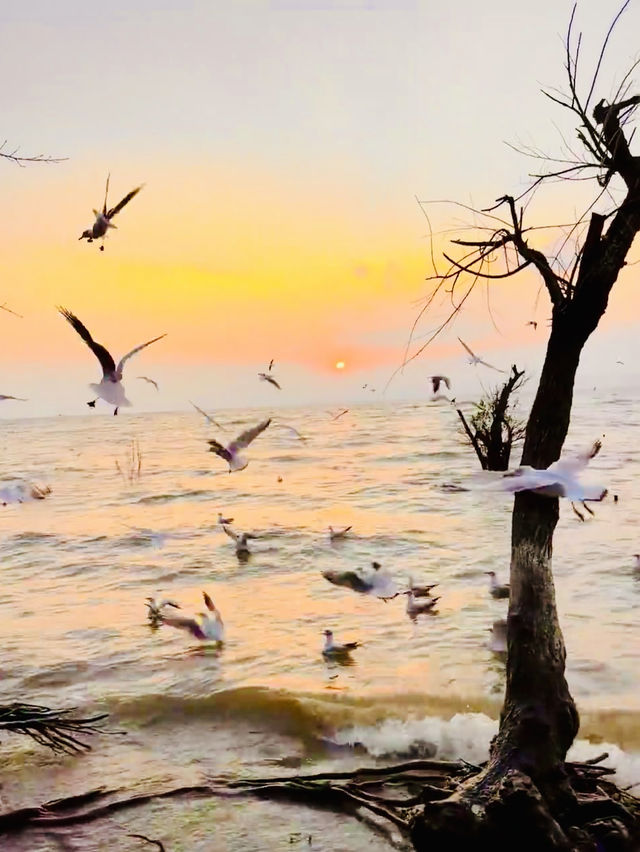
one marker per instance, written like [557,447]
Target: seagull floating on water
[110,388]
[560,479]
[22,491]
[155,609]
[334,535]
[331,649]
[103,219]
[231,453]
[415,608]
[376,581]
[496,589]
[420,591]
[209,627]
[240,539]
[474,359]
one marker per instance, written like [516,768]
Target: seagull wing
[106,361]
[206,416]
[270,364]
[265,377]
[467,348]
[151,381]
[7,396]
[112,212]
[574,462]
[230,533]
[126,357]
[527,479]
[188,624]
[208,602]
[480,361]
[245,438]
[217,448]
[106,193]
[9,311]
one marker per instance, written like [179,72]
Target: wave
[181,495]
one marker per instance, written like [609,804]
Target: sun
[340,365]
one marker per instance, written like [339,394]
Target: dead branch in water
[53,728]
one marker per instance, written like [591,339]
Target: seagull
[334,535]
[415,608]
[3,307]
[151,381]
[155,609]
[437,380]
[376,582]
[636,562]
[223,521]
[496,589]
[22,492]
[560,479]
[331,649]
[210,627]
[206,416]
[4,396]
[103,220]
[421,591]
[339,414]
[498,641]
[267,377]
[293,431]
[240,539]
[473,359]
[110,388]
[231,453]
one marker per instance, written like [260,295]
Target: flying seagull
[4,396]
[222,520]
[375,582]
[436,380]
[110,388]
[151,381]
[335,535]
[496,589]
[331,649]
[231,452]
[473,359]
[103,220]
[206,416]
[339,414]
[560,479]
[209,627]
[269,377]
[3,307]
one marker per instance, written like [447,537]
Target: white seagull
[335,535]
[155,609]
[375,582]
[209,627]
[231,453]
[415,608]
[421,591]
[496,589]
[110,388]
[560,479]
[269,377]
[473,359]
[331,649]
[21,491]
[4,396]
[240,539]
[103,219]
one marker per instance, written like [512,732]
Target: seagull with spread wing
[269,377]
[437,380]
[110,388]
[207,626]
[103,219]
[150,381]
[474,359]
[206,416]
[4,396]
[231,453]
[240,539]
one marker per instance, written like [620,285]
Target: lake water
[77,567]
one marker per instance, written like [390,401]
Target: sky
[283,146]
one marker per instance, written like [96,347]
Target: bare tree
[493,428]
[23,160]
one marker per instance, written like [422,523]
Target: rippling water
[77,567]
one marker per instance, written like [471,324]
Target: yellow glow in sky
[340,365]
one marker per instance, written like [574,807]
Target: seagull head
[376,566]
[327,633]
[85,235]
[490,573]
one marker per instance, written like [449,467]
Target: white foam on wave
[467,736]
